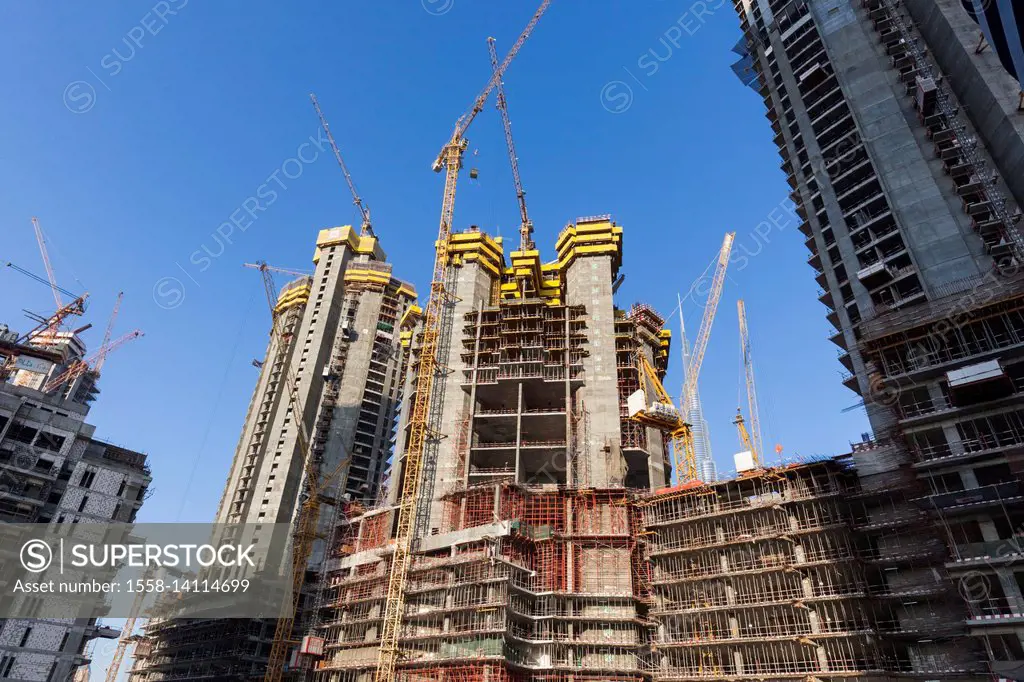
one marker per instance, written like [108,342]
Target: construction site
[550,513]
[491,483]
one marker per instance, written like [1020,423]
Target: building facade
[338,351]
[904,147]
[53,470]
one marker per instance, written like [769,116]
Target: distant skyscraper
[342,349]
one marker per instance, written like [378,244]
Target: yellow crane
[434,336]
[751,439]
[304,531]
[662,413]
[364,211]
[525,225]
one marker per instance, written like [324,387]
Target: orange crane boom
[80,367]
[435,336]
[106,335]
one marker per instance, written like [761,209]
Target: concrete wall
[588,282]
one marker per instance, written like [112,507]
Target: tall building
[528,554]
[53,470]
[902,141]
[338,349]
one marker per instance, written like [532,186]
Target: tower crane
[364,211]
[525,224]
[127,635]
[106,335]
[308,515]
[752,440]
[682,438]
[425,414]
[662,413]
[80,367]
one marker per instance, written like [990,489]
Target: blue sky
[136,131]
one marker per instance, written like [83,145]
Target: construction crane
[435,335]
[104,347]
[46,262]
[525,225]
[364,211]
[682,438]
[80,367]
[127,634]
[305,528]
[752,441]
[661,413]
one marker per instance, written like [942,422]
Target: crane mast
[431,340]
[525,225]
[364,211]
[748,371]
[682,438]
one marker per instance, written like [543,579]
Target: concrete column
[734,626]
[988,530]
[794,522]
[799,554]
[1011,589]
[519,430]
[969,479]
[956,446]
[730,594]
[935,393]
[737,659]
[719,533]
[807,586]
[723,560]
[815,621]
[822,658]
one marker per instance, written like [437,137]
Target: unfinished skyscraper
[902,140]
[53,470]
[340,346]
[529,556]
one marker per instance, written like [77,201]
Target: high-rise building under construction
[902,138]
[528,487]
[339,348]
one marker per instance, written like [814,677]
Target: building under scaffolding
[553,551]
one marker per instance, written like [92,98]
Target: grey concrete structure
[339,351]
[528,469]
[905,152]
[54,471]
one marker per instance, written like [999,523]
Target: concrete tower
[904,147]
[340,347]
[526,507]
